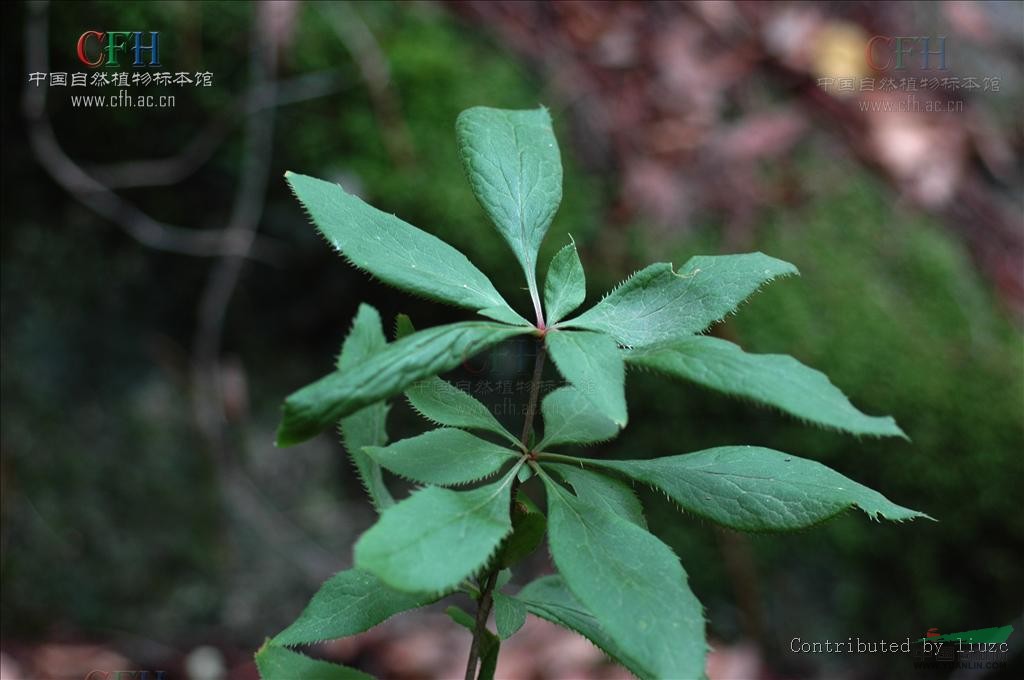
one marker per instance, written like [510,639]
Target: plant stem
[531,404]
[565,459]
[535,298]
[486,600]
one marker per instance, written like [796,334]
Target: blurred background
[162,293]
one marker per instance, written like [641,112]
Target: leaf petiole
[544,455]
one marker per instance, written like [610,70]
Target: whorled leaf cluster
[617,584]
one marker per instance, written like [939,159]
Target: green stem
[531,404]
[565,459]
[531,283]
[486,600]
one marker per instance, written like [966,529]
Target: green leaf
[403,326]
[528,527]
[509,615]
[512,162]
[565,286]
[504,314]
[524,501]
[504,576]
[445,404]
[569,418]
[364,339]
[348,603]
[593,364]
[386,373]
[603,491]
[435,538]
[392,250]
[657,304]
[445,456]
[756,489]
[550,599]
[461,617]
[366,427]
[774,379]
[280,663]
[631,582]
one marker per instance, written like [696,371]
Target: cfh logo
[104,48]
[886,52]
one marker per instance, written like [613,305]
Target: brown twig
[234,244]
[242,497]
[358,39]
[100,198]
[152,172]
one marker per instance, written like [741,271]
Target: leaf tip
[283,440]
[886,427]
[289,433]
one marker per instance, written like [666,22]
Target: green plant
[618,585]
